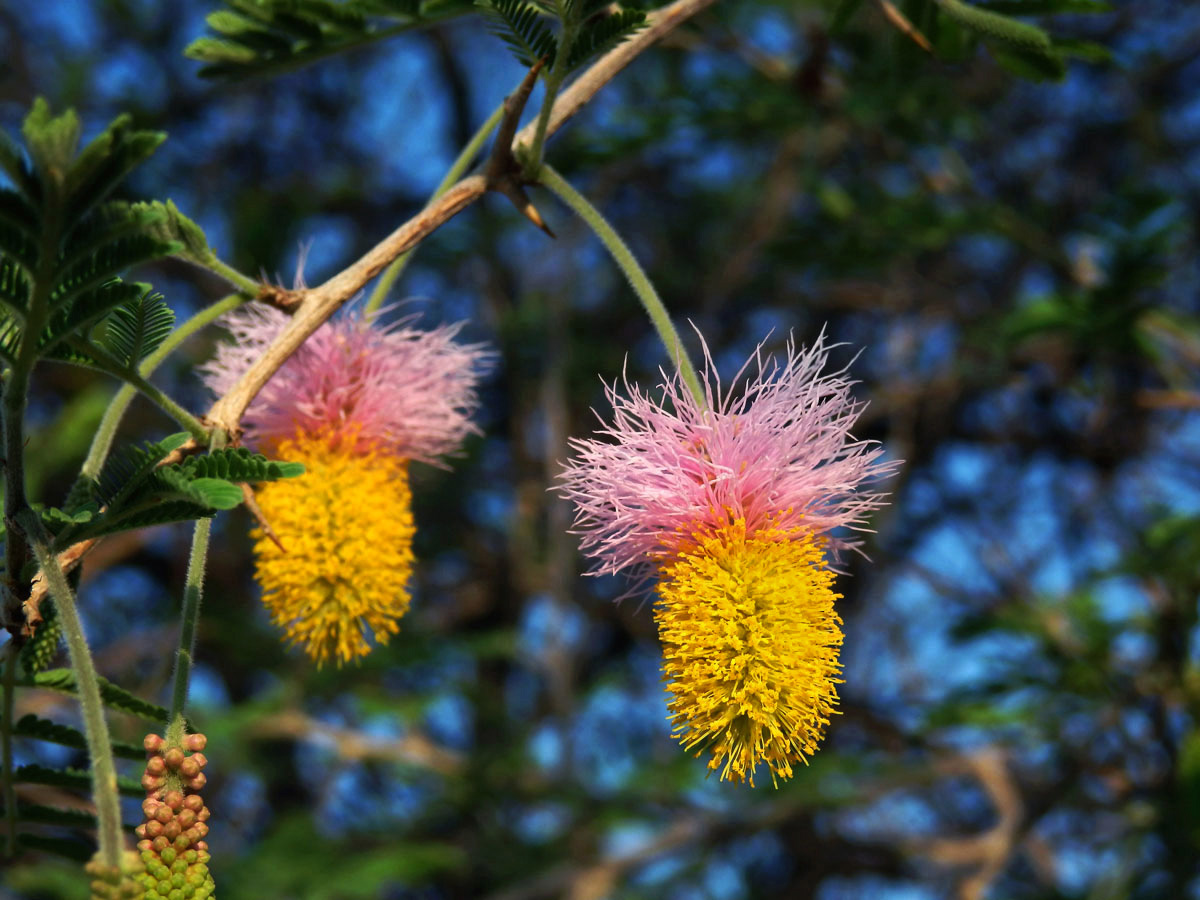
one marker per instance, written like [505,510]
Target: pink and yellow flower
[729,505]
[355,404]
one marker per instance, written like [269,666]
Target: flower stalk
[104,771]
[634,273]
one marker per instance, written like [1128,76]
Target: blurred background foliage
[1017,260]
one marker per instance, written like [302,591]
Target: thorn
[516,194]
[906,27]
[501,161]
[256,511]
[280,297]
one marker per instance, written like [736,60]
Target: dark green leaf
[105,162]
[76,850]
[113,696]
[51,139]
[1032,64]
[239,464]
[76,319]
[138,327]
[253,37]
[129,467]
[51,815]
[1045,7]
[30,726]
[843,14]
[107,262]
[601,34]
[14,287]
[75,779]
[39,651]
[522,26]
[172,226]
[995,26]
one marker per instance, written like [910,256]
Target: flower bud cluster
[122,883]
[172,842]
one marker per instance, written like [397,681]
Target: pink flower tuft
[780,456]
[398,387]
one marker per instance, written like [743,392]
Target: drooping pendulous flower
[729,506]
[355,404]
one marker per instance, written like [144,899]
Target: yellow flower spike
[750,645]
[346,527]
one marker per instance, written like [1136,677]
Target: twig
[313,306]
[321,302]
[354,746]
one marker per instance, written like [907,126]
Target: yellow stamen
[346,527]
[750,646]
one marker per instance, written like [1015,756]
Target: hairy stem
[193,591]
[10,787]
[633,272]
[554,81]
[104,771]
[16,549]
[456,171]
[190,423]
[243,283]
[102,440]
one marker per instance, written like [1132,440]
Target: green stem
[456,171]
[106,363]
[10,787]
[104,771]
[193,425]
[16,549]
[536,151]
[243,283]
[193,592]
[554,81]
[103,438]
[635,274]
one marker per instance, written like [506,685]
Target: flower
[173,853]
[356,404]
[729,505]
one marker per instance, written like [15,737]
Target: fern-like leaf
[602,33]
[523,27]
[36,813]
[173,483]
[30,726]
[76,779]
[68,848]
[172,226]
[129,467]
[106,263]
[10,335]
[239,464]
[12,163]
[51,139]
[14,287]
[104,163]
[133,517]
[77,318]
[39,651]
[138,327]
[112,696]
[255,37]
[996,26]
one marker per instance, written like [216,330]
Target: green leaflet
[137,328]
[31,726]
[113,696]
[260,37]
[76,779]
[522,26]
